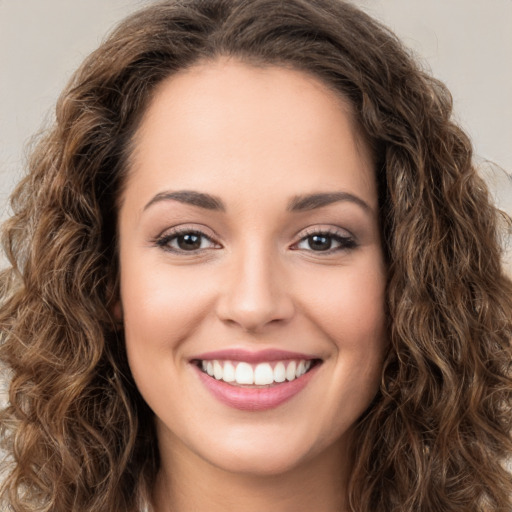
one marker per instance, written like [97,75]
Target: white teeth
[244,374]
[229,372]
[280,372]
[217,370]
[261,374]
[290,370]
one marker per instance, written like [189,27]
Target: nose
[255,293]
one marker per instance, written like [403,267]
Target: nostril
[254,315]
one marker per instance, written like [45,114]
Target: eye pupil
[320,242]
[189,242]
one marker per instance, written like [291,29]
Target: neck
[187,482]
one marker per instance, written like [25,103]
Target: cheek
[349,305]
[349,308]
[162,305]
[162,308]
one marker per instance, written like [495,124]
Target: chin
[269,451]
[252,461]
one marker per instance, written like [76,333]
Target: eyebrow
[313,201]
[191,197]
[296,204]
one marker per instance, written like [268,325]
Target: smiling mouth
[264,374]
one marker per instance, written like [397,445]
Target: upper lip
[248,356]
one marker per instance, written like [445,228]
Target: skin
[255,138]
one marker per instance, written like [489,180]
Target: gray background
[465,43]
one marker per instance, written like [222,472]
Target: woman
[253,267]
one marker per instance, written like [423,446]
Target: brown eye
[189,242]
[186,241]
[326,242]
[319,242]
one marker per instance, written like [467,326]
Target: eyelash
[345,243]
[165,240]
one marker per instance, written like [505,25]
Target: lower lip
[255,399]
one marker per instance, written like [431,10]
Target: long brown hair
[78,436]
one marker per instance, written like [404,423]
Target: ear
[117,312]
[114,304]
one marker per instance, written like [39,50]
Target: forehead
[226,120]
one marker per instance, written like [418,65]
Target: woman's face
[250,250]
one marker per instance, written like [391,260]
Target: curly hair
[77,434]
